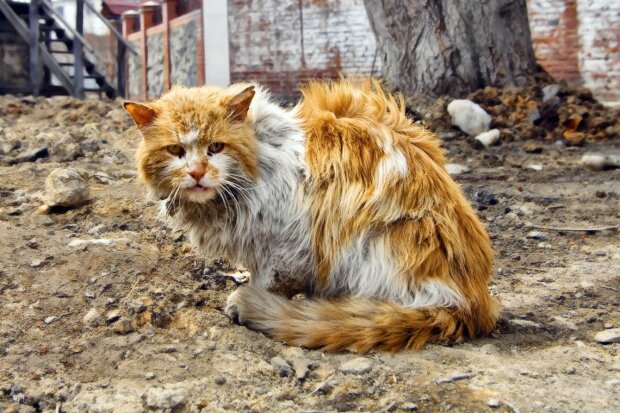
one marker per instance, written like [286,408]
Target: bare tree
[433,48]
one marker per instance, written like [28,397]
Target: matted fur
[344,195]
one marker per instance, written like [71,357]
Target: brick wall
[579,40]
[283,42]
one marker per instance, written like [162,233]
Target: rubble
[488,138]
[66,187]
[469,117]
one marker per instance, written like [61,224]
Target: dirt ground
[135,323]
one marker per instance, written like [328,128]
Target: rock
[35,263]
[149,375]
[77,243]
[608,325]
[532,147]
[524,323]
[533,115]
[66,187]
[123,326]
[30,156]
[457,169]
[536,235]
[469,117]
[409,407]
[358,365]
[92,317]
[609,336]
[112,316]
[550,91]
[281,366]
[600,161]
[488,138]
[494,403]
[535,167]
[49,320]
[219,380]
[159,398]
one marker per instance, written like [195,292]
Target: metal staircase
[61,60]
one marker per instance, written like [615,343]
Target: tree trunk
[451,47]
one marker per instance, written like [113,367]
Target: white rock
[550,91]
[535,167]
[494,403]
[281,366]
[524,323]
[92,317]
[599,161]
[66,187]
[49,320]
[98,241]
[536,235]
[457,169]
[469,117]
[609,336]
[358,365]
[488,138]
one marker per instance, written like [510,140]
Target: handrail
[111,27]
[77,36]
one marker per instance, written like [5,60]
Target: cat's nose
[197,173]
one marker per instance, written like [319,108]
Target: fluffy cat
[342,195]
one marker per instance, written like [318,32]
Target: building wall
[579,40]
[281,43]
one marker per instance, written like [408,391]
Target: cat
[342,194]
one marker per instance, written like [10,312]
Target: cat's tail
[357,324]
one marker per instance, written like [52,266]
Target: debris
[219,380]
[575,229]
[550,91]
[524,323]
[536,235]
[469,117]
[66,187]
[488,138]
[98,241]
[535,167]
[494,403]
[30,156]
[92,317]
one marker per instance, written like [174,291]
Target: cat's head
[198,143]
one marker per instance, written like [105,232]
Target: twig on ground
[320,386]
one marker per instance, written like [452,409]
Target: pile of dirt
[542,110]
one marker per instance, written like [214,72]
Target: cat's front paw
[232,307]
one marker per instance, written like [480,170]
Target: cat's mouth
[199,188]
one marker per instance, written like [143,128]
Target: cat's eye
[215,147]
[176,150]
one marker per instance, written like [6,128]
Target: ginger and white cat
[343,195]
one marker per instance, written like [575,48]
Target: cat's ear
[141,114]
[240,103]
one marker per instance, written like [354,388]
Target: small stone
[66,187]
[456,377]
[533,115]
[409,407]
[535,167]
[488,138]
[112,316]
[36,263]
[536,235]
[89,295]
[532,147]
[137,306]
[469,116]
[281,366]
[123,326]
[32,243]
[219,380]
[92,317]
[149,376]
[30,156]
[608,325]
[457,169]
[600,161]
[493,403]
[550,91]
[49,320]
[358,365]
[608,336]
[544,245]
[570,370]
[524,323]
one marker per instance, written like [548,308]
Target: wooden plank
[78,66]
[121,64]
[33,44]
